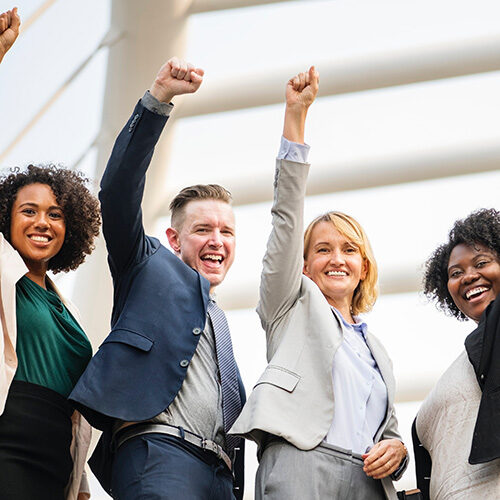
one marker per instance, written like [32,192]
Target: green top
[52,349]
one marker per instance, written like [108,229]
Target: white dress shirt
[360,392]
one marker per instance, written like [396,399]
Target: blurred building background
[404,136]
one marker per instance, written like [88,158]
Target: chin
[214,282]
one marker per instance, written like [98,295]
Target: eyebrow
[349,243]
[32,204]
[205,224]
[489,255]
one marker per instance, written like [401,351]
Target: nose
[215,239]
[470,275]
[336,258]
[42,221]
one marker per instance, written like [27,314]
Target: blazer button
[184,363]
[133,122]
[196,331]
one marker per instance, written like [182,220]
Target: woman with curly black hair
[457,430]
[48,221]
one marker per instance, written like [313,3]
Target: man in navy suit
[164,387]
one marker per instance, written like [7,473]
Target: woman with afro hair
[48,221]
[457,430]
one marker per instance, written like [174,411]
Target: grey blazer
[294,397]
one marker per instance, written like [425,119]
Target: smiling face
[335,264]
[37,227]
[206,239]
[473,278]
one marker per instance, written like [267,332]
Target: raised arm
[9,30]
[301,90]
[122,185]
[283,261]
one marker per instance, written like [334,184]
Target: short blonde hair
[366,292]
[196,193]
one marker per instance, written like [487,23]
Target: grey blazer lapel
[384,365]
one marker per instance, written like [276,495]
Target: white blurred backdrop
[404,136]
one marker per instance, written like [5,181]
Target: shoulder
[10,260]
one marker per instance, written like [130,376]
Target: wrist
[163,95]
[294,126]
[296,109]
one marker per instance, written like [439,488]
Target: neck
[37,273]
[344,308]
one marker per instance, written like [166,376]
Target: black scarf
[483,349]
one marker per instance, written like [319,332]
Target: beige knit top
[445,424]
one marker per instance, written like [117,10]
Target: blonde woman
[322,412]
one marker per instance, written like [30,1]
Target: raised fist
[301,90]
[9,30]
[176,77]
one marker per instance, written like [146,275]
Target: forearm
[295,122]
[122,185]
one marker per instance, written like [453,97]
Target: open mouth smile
[475,293]
[212,259]
[336,273]
[39,238]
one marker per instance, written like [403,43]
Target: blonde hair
[366,292]
[195,193]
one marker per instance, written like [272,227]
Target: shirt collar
[360,326]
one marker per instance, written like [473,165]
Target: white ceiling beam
[151,32]
[363,174]
[42,8]
[110,39]
[364,72]
[201,6]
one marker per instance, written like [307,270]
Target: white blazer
[12,269]
[294,397]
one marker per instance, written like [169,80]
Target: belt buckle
[209,445]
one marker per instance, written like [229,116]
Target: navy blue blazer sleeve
[122,188]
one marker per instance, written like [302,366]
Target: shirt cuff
[152,104]
[402,466]
[293,151]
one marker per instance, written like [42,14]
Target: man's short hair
[194,193]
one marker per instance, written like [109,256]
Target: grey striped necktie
[231,401]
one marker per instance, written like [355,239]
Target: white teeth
[336,273]
[217,258]
[475,291]
[43,239]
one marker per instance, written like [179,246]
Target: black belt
[131,431]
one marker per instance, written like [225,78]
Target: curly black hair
[81,210]
[481,226]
